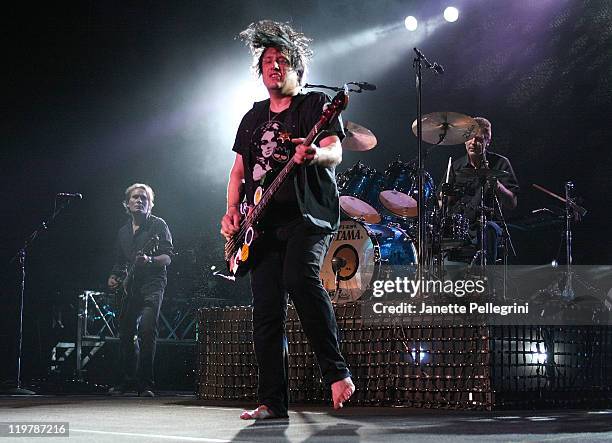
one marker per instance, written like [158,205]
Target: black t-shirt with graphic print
[271,149]
[264,141]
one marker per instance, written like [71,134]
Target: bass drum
[364,253]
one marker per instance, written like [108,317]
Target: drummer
[465,187]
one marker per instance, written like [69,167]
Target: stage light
[538,353]
[418,355]
[451,14]
[411,23]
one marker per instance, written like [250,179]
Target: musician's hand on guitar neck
[303,154]
[230,223]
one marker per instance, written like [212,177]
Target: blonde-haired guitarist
[144,248]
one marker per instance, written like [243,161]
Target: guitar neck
[271,190]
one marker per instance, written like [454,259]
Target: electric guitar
[238,247]
[123,291]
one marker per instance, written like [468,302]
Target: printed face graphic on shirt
[271,149]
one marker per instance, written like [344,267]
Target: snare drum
[367,253]
[400,193]
[359,188]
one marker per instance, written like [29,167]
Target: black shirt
[130,243]
[264,141]
[470,187]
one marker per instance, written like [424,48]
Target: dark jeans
[288,263]
[138,339]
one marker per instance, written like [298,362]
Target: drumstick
[450,159]
[576,207]
[546,191]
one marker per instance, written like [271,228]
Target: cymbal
[481,173]
[446,128]
[358,138]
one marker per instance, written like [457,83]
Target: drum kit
[378,234]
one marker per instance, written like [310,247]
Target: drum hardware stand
[443,211]
[337,264]
[571,213]
[575,212]
[421,238]
[506,242]
[483,219]
[481,253]
[20,257]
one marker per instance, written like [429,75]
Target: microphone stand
[417,64]
[337,264]
[21,257]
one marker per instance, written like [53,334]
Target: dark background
[99,95]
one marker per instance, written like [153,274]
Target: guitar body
[124,291]
[238,262]
[239,248]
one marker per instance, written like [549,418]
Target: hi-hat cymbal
[358,138]
[446,128]
[481,173]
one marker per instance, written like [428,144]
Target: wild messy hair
[265,34]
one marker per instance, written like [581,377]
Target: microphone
[365,86]
[435,66]
[337,263]
[70,195]
[438,68]
[419,53]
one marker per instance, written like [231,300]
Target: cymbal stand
[568,290]
[507,242]
[481,253]
[575,212]
[440,220]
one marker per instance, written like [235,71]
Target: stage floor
[173,417]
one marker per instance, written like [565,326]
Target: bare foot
[261,413]
[342,391]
